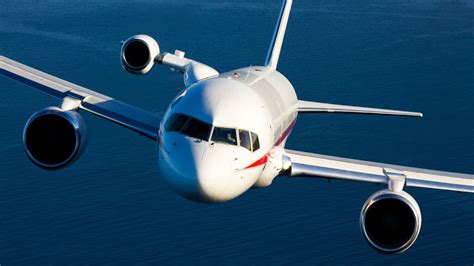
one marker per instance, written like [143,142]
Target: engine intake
[54,138]
[138,54]
[390,221]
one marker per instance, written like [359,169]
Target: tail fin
[279,35]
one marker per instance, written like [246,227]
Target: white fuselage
[202,159]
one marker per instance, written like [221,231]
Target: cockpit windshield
[224,135]
[188,126]
[237,137]
[255,142]
[244,139]
[195,128]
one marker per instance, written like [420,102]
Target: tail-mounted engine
[138,54]
[390,221]
[54,138]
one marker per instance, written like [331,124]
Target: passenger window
[176,122]
[255,142]
[224,135]
[198,129]
[245,142]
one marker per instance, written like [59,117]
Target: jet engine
[390,221]
[138,54]
[54,138]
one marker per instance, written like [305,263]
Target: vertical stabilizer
[279,35]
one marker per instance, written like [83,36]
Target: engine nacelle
[54,138]
[390,221]
[138,54]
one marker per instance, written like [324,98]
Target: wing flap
[316,165]
[136,119]
[317,107]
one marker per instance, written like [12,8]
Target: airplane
[225,133]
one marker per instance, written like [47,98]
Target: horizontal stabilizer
[316,107]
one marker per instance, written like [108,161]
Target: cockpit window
[189,126]
[255,142]
[244,140]
[196,128]
[176,122]
[224,135]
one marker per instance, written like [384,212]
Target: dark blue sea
[113,206]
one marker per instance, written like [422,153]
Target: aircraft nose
[212,175]
[195,173]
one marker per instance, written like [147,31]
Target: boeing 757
[225,133]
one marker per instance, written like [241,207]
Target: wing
[138,120]
[316,165]
[315,107]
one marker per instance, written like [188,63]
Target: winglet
[279,35]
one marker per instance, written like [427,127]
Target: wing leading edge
[133,118]
[316,165]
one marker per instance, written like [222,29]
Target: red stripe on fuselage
[285,134]
[260,161]
[264,159]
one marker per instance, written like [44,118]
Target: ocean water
[112,206]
